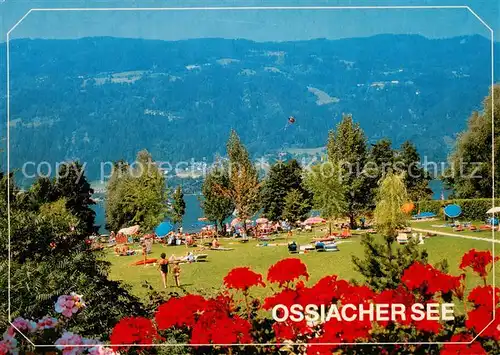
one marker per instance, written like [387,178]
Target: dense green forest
[104,99]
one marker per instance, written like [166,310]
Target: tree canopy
[136,194]
[347,149]
[178,205]
[327,189]
[470,171]
[244,186]
[216,206]
[281,180]
[384,264]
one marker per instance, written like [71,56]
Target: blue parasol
[452,211]
[163,229]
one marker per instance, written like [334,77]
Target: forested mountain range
[101,99]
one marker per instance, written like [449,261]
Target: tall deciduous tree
[283,178]
[416,179]
[244,186]
[178,206]
[115,190]
[216,207]
[381,158]
[327,190]
[384,264]
[471,168]
[137,194]
[347,150]
[72,185]
[389,216]
[295,207]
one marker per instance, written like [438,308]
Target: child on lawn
[177,274]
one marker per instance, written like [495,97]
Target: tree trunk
[352,220]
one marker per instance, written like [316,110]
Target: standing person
[144,251]
[163,266]
[177,274]
[363,220]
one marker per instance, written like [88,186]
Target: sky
[258,25]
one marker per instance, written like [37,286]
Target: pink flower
[46,323]
[101,350]
[68,305]
[67,343]
[22,325]
[8,345]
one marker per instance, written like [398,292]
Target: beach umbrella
[452,211]
[235,222]
[262,220]
[493,210]
[129,231]
[164,228]
[314,220]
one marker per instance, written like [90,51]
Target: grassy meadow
[207,277]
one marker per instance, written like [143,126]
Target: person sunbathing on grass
[215,244]
[189,257]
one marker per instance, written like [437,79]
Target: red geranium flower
[347,332]
[398,296]
[326,291]
[429,280]
[427,325]
[478,261]
[357,295]
[287,270]
[430,326]
[242,278]
[286,297]
[218,328]
[133,330]
[482,314]
[462,349]
[483,296]
[289,330]
[179,311]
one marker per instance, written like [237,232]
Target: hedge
[472,209]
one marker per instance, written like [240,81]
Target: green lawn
[207,277]
[432,226]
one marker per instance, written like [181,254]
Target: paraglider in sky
[291,121]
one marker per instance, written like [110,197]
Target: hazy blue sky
[256,25]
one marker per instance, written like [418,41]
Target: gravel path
[456,235]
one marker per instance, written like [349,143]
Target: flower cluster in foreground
[68,343]
[234,316]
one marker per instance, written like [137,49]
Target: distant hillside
[100,99]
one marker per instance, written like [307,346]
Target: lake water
[190,222]
[194,211]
